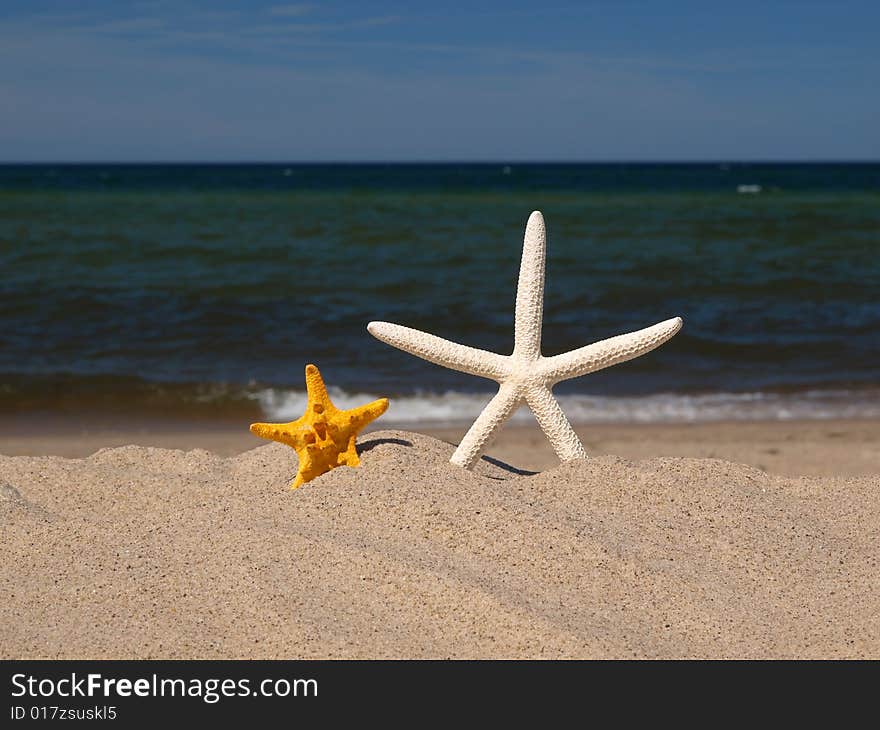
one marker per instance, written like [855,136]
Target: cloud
[316,28]
[379,20]
[296,10]
[132,25]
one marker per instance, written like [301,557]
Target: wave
[454,408]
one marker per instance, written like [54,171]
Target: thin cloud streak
[296,10]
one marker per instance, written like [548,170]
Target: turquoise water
[198,287]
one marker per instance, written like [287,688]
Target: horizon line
[502,162]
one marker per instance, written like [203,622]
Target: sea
[204,290]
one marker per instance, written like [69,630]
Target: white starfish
[525,375]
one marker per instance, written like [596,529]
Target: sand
[140,552]
[848,447]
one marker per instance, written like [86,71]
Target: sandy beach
[144,552]
[793,448]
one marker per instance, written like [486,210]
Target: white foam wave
[453,408]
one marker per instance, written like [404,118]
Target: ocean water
[205,289]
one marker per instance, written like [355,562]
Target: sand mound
[142,552]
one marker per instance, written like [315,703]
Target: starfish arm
[608,352]
[304,468]
[292,434]
[315,387]
[530,290]
[349,457]
[554,424]
[441,352]
[487,425]
[362,415]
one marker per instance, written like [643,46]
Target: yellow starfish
[324,437]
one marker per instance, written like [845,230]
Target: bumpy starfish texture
[325,436]
[525,376]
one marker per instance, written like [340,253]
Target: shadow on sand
[373,443]
[507,467]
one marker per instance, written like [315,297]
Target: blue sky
[104,80]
